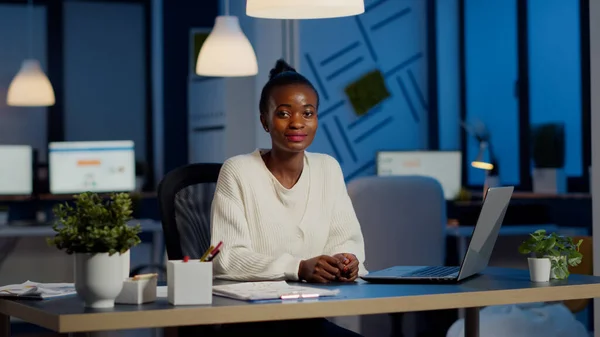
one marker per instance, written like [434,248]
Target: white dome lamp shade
[226,51]
[303,9]
[30,87]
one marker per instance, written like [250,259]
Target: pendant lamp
[31,86]
[226,51]
[303,9]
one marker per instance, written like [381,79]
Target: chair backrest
[403,219]
[185,196]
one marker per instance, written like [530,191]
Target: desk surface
[495,287]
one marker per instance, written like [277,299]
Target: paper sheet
[35,290]
[252,291]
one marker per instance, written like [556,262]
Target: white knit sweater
[268,229]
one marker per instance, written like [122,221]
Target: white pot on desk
[539,269]
[98,278]
[549,180]
[126,264]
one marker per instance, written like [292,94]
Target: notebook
[37,291]
[257,291]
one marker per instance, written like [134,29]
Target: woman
[284,213]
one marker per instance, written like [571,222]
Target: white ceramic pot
[98,279]
[539,269]
[126,264]
[549,180]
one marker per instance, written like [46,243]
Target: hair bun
[280,67]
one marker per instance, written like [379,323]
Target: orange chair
[586,267]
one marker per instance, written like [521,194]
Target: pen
[212,257]
[215,251]
[205,255]
[298,296]
[217,248]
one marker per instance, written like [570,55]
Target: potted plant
[548,154]
[550,255]
[96,232]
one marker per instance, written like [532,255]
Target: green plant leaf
[95,225]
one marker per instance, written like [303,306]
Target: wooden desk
[496,286]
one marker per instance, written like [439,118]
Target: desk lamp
[485,160]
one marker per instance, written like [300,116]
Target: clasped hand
[324,269]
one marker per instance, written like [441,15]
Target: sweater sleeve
[345,235]
[237,260]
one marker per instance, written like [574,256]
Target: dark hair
[281,75]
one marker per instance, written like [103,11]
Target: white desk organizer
[138,291]
[189,283]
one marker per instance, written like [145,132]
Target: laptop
[477,256]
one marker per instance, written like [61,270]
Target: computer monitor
[102,166]
[16,170]
[445,166]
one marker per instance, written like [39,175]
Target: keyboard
[434,272]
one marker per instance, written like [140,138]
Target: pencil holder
[189,283]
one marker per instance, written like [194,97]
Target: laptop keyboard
[434,272]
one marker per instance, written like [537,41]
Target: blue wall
[448,74]
[555,72]
[391,37]
[491,74]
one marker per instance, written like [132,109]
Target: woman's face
[292,117]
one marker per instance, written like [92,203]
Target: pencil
[210,249]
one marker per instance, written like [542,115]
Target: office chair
[185,196]
[403,221]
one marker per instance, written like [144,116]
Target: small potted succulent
[550,255]
[96,232]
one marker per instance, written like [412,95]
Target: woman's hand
[320,269]
[349,271]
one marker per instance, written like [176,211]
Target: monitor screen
[445,166]
[106,166]
[16,170]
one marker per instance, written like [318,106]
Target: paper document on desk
[38,291]
[256,291]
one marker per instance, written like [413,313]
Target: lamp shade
[303,9]
[226,51]
[484,160]
[30,87]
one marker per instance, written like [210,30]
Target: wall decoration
[371,74]
[367,92]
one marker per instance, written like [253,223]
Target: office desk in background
[496,286]
[147,226]
[464,233]
[526,208]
